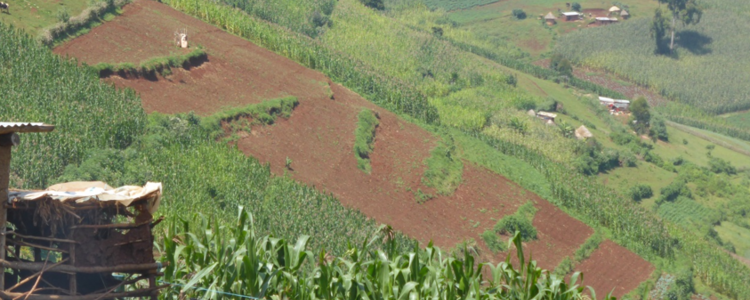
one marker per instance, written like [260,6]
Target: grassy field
[496,21]
[34,15]
[738,236]
[740,119]
[628,50]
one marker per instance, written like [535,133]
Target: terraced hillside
[314,145]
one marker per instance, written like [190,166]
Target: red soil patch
[319,136]
[614,266]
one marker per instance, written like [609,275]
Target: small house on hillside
[550,19]
[547,116]
[613,104]
[583,133]
[624,14]
[614,9]
[572,16]
[605,20]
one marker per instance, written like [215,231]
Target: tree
[378,4]
[576,6]
[641,115]
[560,64]
[659,28]
[519,14]
[687,11]
[658,129]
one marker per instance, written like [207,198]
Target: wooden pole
[4,181]
[72,255]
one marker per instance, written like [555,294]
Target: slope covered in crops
[317,139]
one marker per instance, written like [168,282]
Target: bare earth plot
[319,136]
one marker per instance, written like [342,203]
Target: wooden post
[72,255]
[6,142]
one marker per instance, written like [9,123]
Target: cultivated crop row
[38,86]
[709,74]
[630,225]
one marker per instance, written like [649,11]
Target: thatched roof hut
[624,14]
[583,133]
[550,19]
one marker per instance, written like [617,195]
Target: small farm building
[546,116]
[75,236]
[614,103]
[572,16]
[550,19]
[614,9]
[605,20]
[624,14]
[583,133]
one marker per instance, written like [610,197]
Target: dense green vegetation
[33,16]
[309,17]
[520,222]
[161,65]
[39,86]
[444,167]
[98,11]
[364,137]
[712,42]
[456,4]
[235,259]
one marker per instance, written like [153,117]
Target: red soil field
[319,136]
[614,266]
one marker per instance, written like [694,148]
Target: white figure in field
[181,38]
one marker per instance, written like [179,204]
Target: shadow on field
[694,41]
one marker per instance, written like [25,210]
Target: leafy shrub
[493,241]
[658,129]
[576,6]
[675,189]
[521,222]
[718,165]
[561,64]
[548,105]
[364,136]
[640,192]
[519,14]
[374,4]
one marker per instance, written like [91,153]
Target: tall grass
[38,86]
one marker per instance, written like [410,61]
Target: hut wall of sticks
[78,240]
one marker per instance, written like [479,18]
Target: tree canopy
[688,11]
[641,115]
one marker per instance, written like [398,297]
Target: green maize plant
[226,261]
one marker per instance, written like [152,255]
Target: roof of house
[93,191]
[624,13]
[8,127]
[549,16]
[571,13]
[614,8]
[605,99]
[583,132]
[622,101]
[606,19]
[546,114]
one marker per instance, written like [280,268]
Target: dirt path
[319,136]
